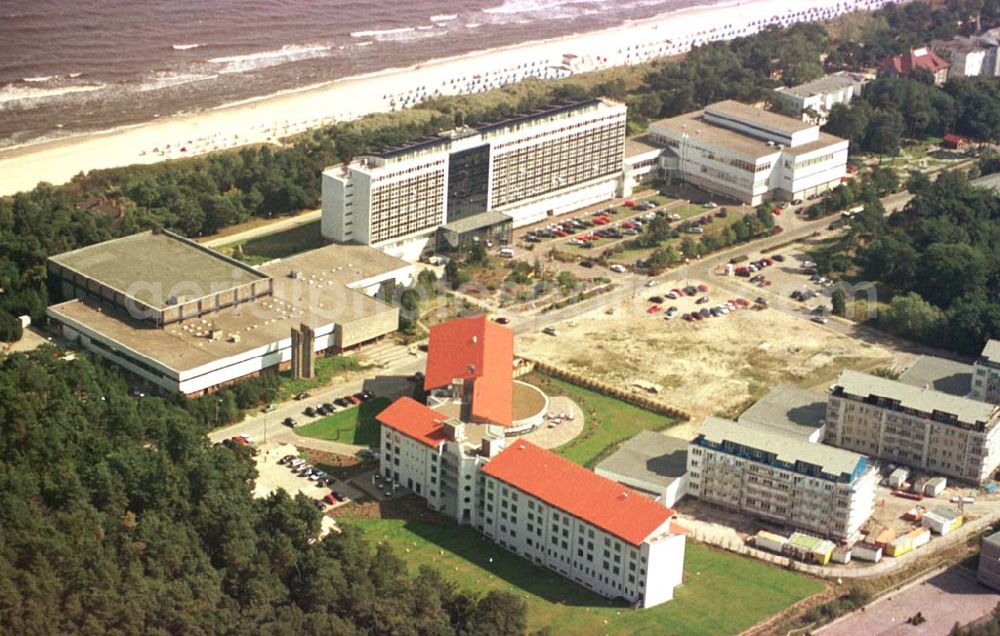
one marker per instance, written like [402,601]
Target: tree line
[938,260]
[120,517]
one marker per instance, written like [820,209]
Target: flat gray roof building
[940,374]
[139,264]
[823,85]
[652,463]
[790,410]
[784,449]
[925,401]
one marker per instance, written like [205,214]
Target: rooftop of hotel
[788,409]
[732,109]
[786,448]
[927,401]
[152,266]
[697,128]
[317,298]
[649,456]
[415,420]
[940,374]
[444,138]
[478,349]
[614,508]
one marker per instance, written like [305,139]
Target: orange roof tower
[478,352]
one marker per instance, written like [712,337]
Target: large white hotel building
[529,500]
[750,154]
[520,169]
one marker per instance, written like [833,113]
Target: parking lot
[713,366]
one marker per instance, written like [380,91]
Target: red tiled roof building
[924,57]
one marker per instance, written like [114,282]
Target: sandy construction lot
[716,366]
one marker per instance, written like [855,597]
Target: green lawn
[351,426]
[722,593]
[326,368]
[281,244]
[609,421]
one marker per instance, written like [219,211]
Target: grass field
[280,244]
[609,421]
[722,593]
[351,426]
[326,368]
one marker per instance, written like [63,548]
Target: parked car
[302,396]
[820,319]
[702,300]
[310,412]
[503,320]
[284,460]
[341,401]
[550,331]
[656,299]
[289,422]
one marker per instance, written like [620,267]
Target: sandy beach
[270,118]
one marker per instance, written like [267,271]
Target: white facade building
[986,376]
[750,154]
[917,427]
[536,504]
[822,94]
[527,167]
[781,478]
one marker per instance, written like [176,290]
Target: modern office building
[781,478]
[532,502]
[750,154]
[525,168]
[187,319]
[820,95]
[914,426]
[986,374]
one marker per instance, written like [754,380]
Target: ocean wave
[404,34]
[43,78]
[185,47]
[12,96]
[380,33]
[444,18]
[166,79]
[264,59]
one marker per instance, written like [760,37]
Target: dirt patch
[712,367]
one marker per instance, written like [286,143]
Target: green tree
[838,302]
[911,316]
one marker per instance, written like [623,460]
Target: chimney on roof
[475,339]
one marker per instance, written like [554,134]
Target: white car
[650,283]
[617,268]
[675,217]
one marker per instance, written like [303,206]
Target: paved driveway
[947,597]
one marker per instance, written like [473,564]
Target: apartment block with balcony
[788,480]
[915,426]
[749,154]
[986,376]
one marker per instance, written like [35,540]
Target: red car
[503,320]
[703,288]
[654,309]
[629,203]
